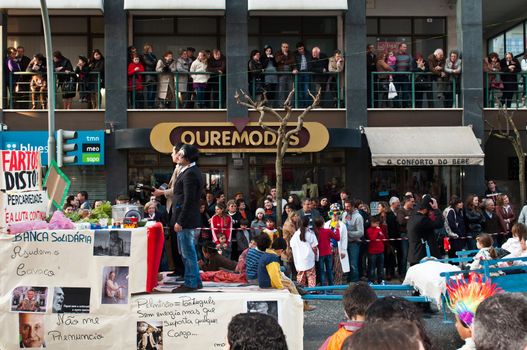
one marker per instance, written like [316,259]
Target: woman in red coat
[135,82]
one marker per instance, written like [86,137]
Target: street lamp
[51,82]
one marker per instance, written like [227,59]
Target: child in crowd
[241,267]
[135,82]
[484,243]
[221,223]
[304,245]
[253,257]
[269,274]
[356,299]
[463,299]
[258,223]
[324,236]
[223,246]
[243,236]
[375,251]
[513,245]
[271,231]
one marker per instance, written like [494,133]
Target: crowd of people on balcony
[190,79]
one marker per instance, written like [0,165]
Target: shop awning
[420,146]
[53,4]
[309,5]
[183,5]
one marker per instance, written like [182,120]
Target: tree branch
[300,120]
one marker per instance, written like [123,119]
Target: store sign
[90,145]
[402,161]
[226,138]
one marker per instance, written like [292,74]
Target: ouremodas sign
[226,138]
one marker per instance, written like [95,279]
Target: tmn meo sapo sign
[226,138]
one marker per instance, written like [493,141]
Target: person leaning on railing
[166,66]
[492,64]
[271,79]
[149,61]
[66,78]
[38,84]
[423,86]
[453,69]
[96,77]
[510,66]
[183,68]
[336,65]
[383,81]
[319,65]
[135,82]
[284,64]
[255,75]
[199,81]
[216,64]
[436,64]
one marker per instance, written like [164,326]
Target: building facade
[351,100]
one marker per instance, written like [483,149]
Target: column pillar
[357,159]
[4,78]
[237,48]
[115,115]
[470,41]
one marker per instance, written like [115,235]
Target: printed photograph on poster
[31,330]
[149,335]
[71,300]
[115,285]
[112,243]
[29,299]
[268,307]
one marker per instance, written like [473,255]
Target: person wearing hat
[214,261]
[421,230]
[258,224]
[339,248]
[185,216]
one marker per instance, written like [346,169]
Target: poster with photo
[112,243]
[29,299]
[71,300]
[31,330]
[115,285]
[267,307]
[150,335]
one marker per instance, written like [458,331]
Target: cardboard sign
[57,185]
[20,171]
[23,206]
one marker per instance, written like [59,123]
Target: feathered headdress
[464,297]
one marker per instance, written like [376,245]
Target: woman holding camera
[166,66]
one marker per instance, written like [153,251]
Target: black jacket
[473,221]
[298,59]
[423,227]
[393,226]
[318,65]
[491,225]
[186,202]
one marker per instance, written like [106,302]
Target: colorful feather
[465,296]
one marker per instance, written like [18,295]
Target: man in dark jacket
[421,226]
[185,214]
[371,61]
[303,80]
[491,223]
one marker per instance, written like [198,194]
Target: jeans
[326,269]
[303,81]
[376,261]
[185,240]
[404,88]
[200,95]
[285,85]
[402,258]
[150,94]
[353,254]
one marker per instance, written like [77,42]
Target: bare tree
[283,135]
[510,132]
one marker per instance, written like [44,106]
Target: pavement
[322,322]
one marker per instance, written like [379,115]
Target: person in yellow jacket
[356,299]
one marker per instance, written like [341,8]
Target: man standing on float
[185,216]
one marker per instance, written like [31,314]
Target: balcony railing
[28,90]
[413,90]
[148,90]
[507,89]
[277,86]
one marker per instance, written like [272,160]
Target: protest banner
[20,171]
[74,290]
[23,206]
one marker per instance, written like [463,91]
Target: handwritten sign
[23,206]
[76,298]
[20,170]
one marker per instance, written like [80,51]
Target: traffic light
[63,147]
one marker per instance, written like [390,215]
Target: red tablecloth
[156,241]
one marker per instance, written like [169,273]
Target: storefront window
[440,182]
